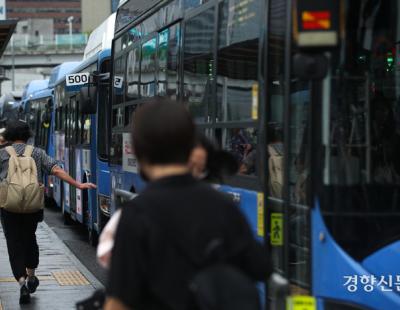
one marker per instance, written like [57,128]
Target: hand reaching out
[87,186]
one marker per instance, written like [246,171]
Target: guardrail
[26,43]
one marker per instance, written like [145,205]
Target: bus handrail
[123,196]
[278,287]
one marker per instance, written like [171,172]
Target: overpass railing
[26,43]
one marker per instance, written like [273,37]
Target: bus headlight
[105,205]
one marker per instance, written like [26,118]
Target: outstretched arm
[63,175]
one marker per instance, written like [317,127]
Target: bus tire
[67,218]
[92,237]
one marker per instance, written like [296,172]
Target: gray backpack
[20,191]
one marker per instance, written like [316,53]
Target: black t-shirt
[163,237]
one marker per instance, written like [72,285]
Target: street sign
[118,81]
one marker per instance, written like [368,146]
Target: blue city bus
[10,108]
[38,111]
[31,113]
[81,143]
[305,95]
[81,126]
[31,88]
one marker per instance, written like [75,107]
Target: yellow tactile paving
[41,278]
[73,278]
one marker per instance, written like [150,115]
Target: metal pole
[70,34]
[70,19]
[12,64]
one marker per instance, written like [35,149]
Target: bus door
[357,207]
[73,140]
[101,132]
[84,168]
[61,138]
[288,157]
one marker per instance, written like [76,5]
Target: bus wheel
[92,237]
[67,219]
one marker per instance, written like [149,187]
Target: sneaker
[24,297]
[32,283]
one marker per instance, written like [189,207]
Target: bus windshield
[361,130]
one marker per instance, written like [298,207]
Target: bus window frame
[129,97]
[142,42]
[90,68]
[190,14]
[106,101]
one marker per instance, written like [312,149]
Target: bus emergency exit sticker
[276,229]
[301,303]
[316,20]
[260,214]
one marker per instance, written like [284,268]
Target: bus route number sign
[118,81]
[77,79]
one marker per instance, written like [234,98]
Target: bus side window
[132,74]
[119,73]
[237,84]
[199,64]
[168,60]
[148,68]
[242,144]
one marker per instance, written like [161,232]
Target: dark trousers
[23,250]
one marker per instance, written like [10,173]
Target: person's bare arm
[114,304]
[63,175]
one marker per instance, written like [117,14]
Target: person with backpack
[180,244]
[22,200]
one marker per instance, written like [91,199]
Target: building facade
[94,12]
[57,10]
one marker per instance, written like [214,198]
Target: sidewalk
[63,279]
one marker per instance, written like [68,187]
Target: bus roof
[34,86]
[106,53]
[62,70]
[42,94]
[100,38]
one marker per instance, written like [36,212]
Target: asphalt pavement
[75,237]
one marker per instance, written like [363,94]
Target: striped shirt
[44,162]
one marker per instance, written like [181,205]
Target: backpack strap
[11,151]
[28,151]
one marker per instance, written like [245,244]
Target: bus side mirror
[88,99]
